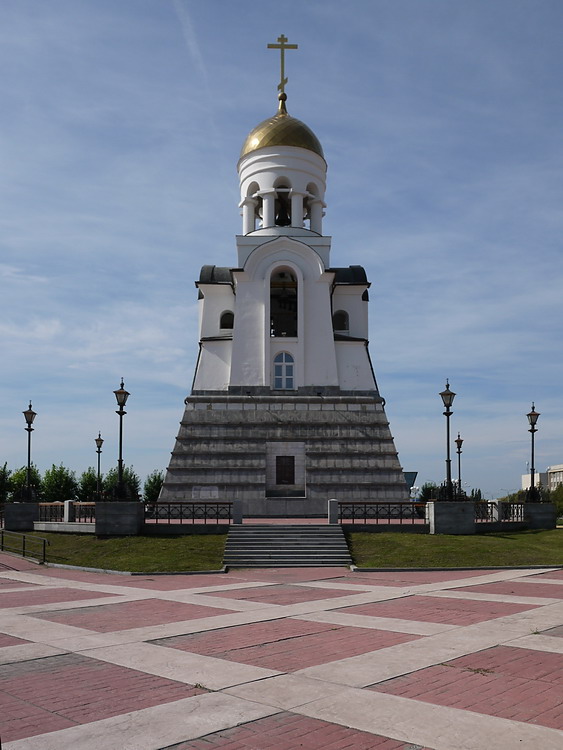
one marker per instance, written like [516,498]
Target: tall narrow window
[284,377]
[285,469]
[283,304]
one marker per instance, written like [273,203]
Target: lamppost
[532,419]
[459,443]
[99,442]
[121,396]
[29,415]
[448,399]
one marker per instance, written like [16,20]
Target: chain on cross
[282,46]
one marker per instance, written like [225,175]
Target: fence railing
[51,511]
[77,512]
[364,512]
[489,512]
[83,512]
[189,512]
[25,545]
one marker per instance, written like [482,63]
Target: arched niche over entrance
[283,303]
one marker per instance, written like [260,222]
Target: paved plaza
[281,659]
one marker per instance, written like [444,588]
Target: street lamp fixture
[447,397]
[99,442]
[459,443]
[121,396]
[532,419]
[29,415]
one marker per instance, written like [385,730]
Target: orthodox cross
[282,46]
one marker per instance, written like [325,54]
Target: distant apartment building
[551,478]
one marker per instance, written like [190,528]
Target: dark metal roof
[215,275]
[350,275]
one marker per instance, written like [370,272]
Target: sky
[120,132]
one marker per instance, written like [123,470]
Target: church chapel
[284,411]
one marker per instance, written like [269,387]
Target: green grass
[376,550]
[393,550]
[137,553]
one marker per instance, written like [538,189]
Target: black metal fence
[189,512]
[366,512]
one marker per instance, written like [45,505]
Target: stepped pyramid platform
[227,447]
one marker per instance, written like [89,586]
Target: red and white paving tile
[280,659]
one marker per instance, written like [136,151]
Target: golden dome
[282,130]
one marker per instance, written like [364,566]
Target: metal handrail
[19,544]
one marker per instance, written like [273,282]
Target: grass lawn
[375,550]
[393,550]
[137,553]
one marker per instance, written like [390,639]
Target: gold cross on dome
[282,46]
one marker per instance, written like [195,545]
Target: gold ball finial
[282,100]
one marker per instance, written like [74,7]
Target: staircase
[285,546]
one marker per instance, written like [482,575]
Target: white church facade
[284,411]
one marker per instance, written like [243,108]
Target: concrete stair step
[286,545]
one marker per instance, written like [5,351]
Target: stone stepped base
[285,546]
[227,444]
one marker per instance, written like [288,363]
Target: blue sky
[120,131]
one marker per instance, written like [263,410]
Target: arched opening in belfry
[283,303]
[282,210]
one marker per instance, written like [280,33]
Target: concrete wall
[540,515]
[451,518]
[20,516]
[119,519]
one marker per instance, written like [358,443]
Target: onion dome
[282,130]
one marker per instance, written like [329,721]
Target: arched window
[227,320]
[284,378]
[341,321]
[283,303]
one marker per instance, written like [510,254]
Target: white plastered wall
[354,371]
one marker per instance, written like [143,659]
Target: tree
[88,484]
[18,491]
[151,488]
[131,482]
[428,491]
[59,484]
[5,483]
[476,495]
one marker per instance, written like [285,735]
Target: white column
[268,209]
[248,215]
[296,209]
[317,215]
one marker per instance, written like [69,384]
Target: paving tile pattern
[124,616]
[512,683]
[10,640]
[44,695]
[282,594]
[286,645]
[518,588]
[287,731]
[42,595]
[433,609]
